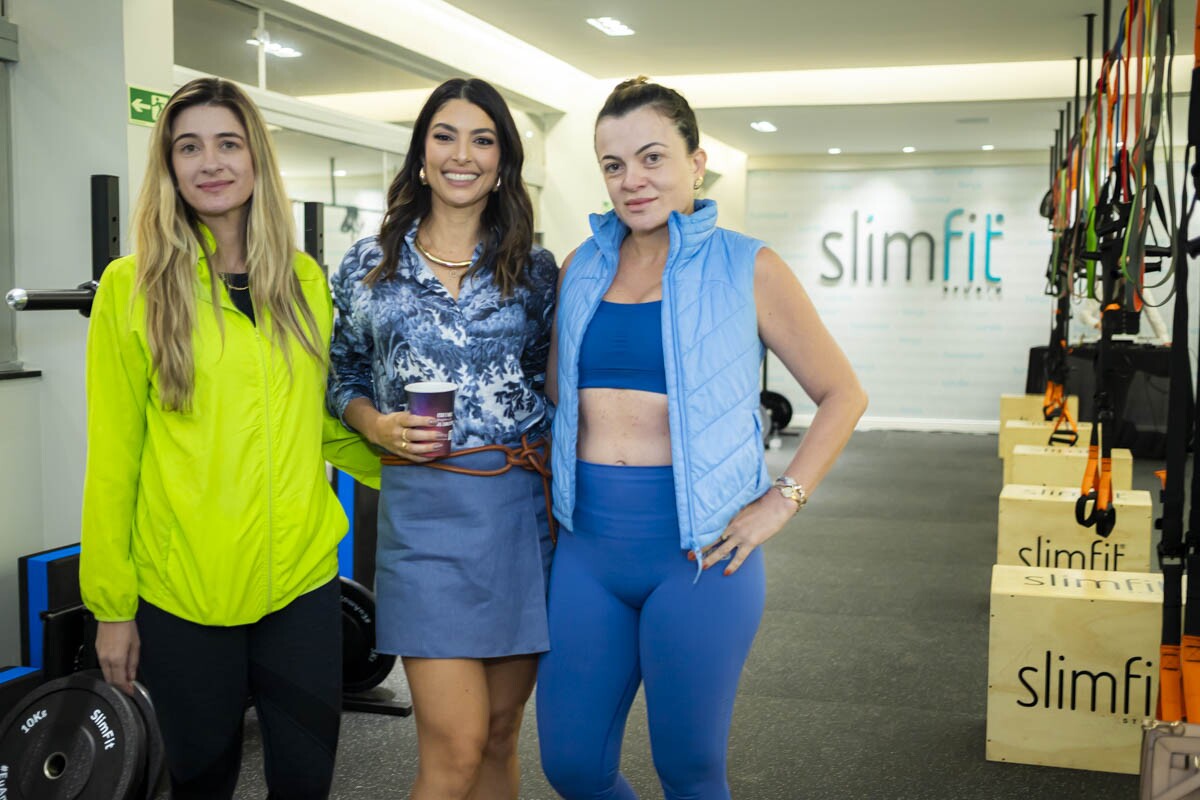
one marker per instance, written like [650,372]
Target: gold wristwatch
[791,490]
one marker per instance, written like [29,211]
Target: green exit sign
[145,105]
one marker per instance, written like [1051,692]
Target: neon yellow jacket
[224,514]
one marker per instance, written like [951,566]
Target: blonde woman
[209,529]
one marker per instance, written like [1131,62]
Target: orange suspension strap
[1094,507]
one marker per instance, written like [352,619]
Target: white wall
[68,117]
[21,467]
[936,352]
[729,190]
[149,64]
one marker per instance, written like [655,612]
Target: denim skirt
[462,562]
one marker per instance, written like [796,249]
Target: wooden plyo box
[1049,465]
[1072,666]
[1037,528]
[1019,431]
[1029,407]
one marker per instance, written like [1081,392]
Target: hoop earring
[497,186]
[699,182]
[421,177]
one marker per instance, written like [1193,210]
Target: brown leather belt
[533,456]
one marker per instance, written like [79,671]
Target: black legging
[289,663]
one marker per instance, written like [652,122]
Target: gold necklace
[441,262]
[226,279]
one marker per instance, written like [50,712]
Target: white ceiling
[682,37]
[688,37]
[929,127]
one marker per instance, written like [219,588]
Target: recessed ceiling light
[987,147]
[610,26]
[340,173]
[528,134]
[273,48]
[909,149]
[762,126]
[835,151]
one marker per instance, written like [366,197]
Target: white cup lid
[430,387]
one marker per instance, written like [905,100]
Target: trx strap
[1179,652]
[1067,182]
[1122,221]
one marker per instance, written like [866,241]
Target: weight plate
[780,408]
[362,667]
[154,776]
[75,738]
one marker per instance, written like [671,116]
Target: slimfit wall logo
[959,271]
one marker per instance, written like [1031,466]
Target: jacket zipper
[676,244]
[270,470]
[595,304]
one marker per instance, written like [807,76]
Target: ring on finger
[404,435]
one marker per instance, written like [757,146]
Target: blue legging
[625,609]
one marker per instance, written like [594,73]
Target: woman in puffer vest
[660,486]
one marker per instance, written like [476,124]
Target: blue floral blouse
[409,328]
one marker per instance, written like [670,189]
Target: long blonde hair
[168,243]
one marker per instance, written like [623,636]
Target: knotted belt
[533,456]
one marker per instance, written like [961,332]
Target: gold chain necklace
[441,262]
[227,277]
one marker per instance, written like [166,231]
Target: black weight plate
[16,686]
[780,408]
[75,738]
[154,776]
[362,667]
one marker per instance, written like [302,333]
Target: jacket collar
[210,246]
[688,231]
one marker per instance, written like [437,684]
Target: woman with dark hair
[658,459]
[452,290]
[210,531]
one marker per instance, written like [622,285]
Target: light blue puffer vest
[712,353]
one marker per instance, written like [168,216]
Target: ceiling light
[762,126]
[909,149]
[835,151]
[273,48]
[987,147]
[340,173]
[528,134]
[610,26]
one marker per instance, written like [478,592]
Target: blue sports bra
[622,348]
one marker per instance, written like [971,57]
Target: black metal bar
[1091,24]
[1078,115]
[1105,27]
[106,223]
[1058,140]
[314,232]
[51,299]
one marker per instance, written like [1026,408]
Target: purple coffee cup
[433,399]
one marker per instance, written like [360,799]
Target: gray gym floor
[868,678]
